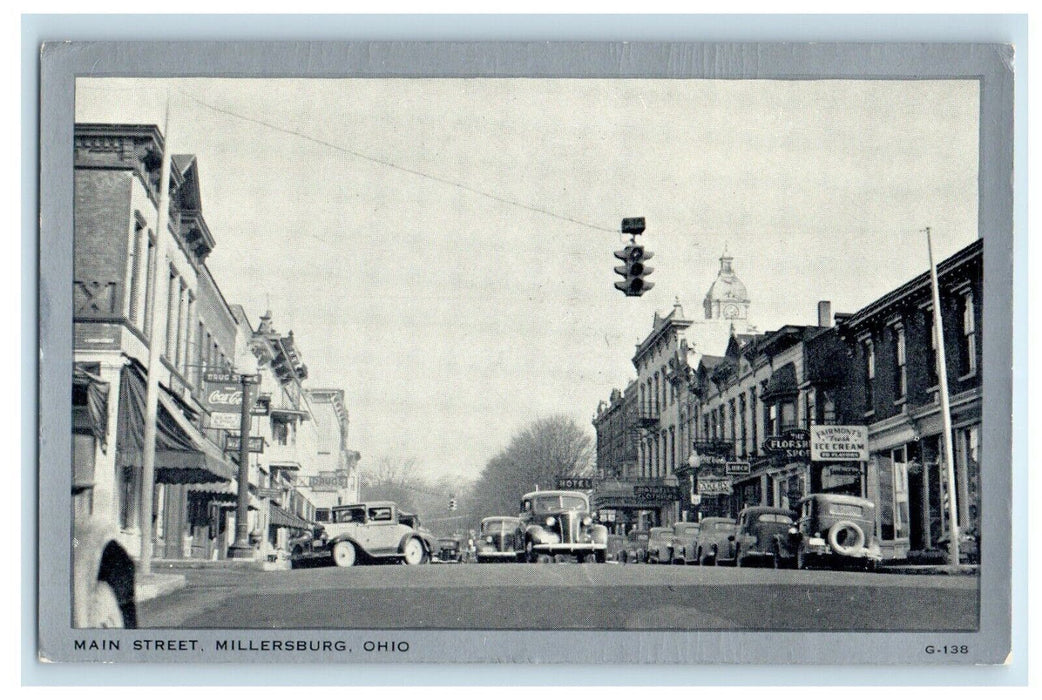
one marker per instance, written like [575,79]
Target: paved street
[565,596]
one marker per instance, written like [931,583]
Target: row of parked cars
[824,530]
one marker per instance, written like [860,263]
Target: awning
[280,517]
[227,492]
[782,383]
[90,402]
[183,454]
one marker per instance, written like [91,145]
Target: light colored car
[834,530]
[103,577]
[712,539]
[660,540]
[560,523]
[685,536]
[497,539]
[368,532]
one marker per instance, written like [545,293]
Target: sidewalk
[930,569]
[163,580]
[155,585]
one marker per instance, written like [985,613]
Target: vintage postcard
[574,353]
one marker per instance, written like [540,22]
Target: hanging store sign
[328,481]
[795,444]
[714,487]
[655,493]
[830,443]
[231,444]
[225,421]
[268,493]
[575,483]
[738,468]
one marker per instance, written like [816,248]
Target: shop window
[967,463]
[279,431]
[126,498]
[899,458]
[931,355]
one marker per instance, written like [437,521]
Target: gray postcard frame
[991,64]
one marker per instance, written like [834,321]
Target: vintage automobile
[660,540]
[372,532]
[834,530]
[712,539]
[309,547]
[448,550]
[636,548]
[761,537]
[559,523]
[496,540]
[103,577]
[616,548]
[412,520]
[682,545]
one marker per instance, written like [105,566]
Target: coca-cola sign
[225,397]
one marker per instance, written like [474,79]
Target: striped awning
[280,517]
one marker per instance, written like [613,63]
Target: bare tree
[536,456]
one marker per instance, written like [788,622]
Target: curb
[931,570]
[156,585]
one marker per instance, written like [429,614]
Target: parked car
[761,536]
[616,548]
[712,539]
[412,520]
[309,547]
[683,543]
[559,522]
[497,539]
[660,540]
[448,550]
[636,549]
[103,576]
[835,530]
[372,532]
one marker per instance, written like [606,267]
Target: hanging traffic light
[634,270]
[452,504]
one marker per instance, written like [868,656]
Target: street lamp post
[241,549]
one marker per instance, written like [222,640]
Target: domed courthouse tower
[727,298]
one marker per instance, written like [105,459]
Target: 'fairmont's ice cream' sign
[830,443]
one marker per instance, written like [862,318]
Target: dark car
[684,543]
[761,536]
[660,540]
[636,548]
[835,529]
[616,547]
[555,523]
[497,540]
[448,550]
[712,539]
[309,547]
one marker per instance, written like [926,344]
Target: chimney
[825,314]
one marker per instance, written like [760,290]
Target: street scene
[527,354]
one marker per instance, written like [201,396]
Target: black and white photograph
[528,353]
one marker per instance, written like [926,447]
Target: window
[899,459]
[810,408]
[134,270]
[870,373]
[744,434]
[772,420]
[787,416]
[968,341]
[150,269]
[931,356]
[173,301]
[734,421]
[752,414]
[900,371]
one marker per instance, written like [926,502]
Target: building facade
[894,388]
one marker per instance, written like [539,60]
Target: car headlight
[550,521]
[586,521]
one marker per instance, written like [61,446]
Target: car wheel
[530,554]
[600,556]
[580,558]
[801,559]
[413,552]
[622,557]
[344,554]
[738,559]
[776,558]
[105,611]
[715,555]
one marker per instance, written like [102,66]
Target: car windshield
[719,527]
[349,515]
[447,543]
[774,518]
[658,533]
[552,504]
[496,525]
[686,530]
[845,509]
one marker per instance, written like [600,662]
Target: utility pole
[241,549]
[158,311]
[946,412]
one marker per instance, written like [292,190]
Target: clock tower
[727,298]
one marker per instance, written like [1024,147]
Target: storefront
[634,504]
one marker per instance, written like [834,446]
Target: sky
[442,249]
